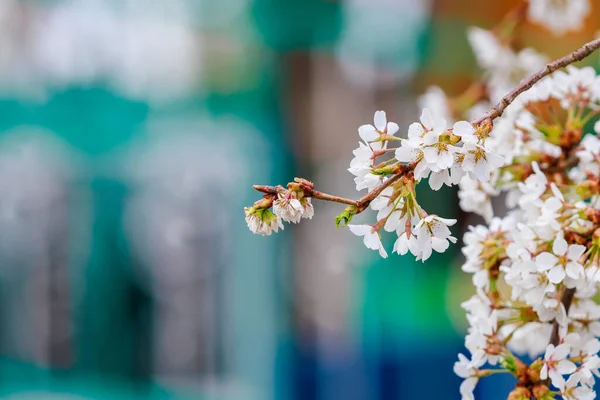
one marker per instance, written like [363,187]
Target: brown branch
[526,84]
[308,193]
[361,204]
[567,300]
[364,201]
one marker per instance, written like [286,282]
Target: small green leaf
[346,216]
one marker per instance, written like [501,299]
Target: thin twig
[312,193]
[526,84]
[361,204]
[364,201]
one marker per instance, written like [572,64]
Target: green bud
[346,216]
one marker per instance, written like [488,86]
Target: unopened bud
[265,202]
[542,392]
[520,393]
[534,370]
[306,185]
[587,189]
[593,215]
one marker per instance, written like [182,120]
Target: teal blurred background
[131,132]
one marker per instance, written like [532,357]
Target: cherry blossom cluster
[433,150]
[289,205]
[535,270]
[530,166]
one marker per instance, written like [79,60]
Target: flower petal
[360,230]
[392,128]
[380,120]
[427,119]
[368,133]
[575,251]
[556,274]
[545,261]
[416,131]
[560,246]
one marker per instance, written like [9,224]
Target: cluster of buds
[289,205]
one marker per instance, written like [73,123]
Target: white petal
[553,204]
[494,160]
[431,155]
[427,119]
[392,128]
[368,133]
[574,270]
[372,241]
[431,138]
[482,171]
[439,245]
[406,153]
[545,261]
[566,367]
[556,274]
[426,253]
[401,245]
[382,252]
[447,221]
[560,246]
[416,131]
[421,170]
[468,163]
[439,124]
[544,372]
[463,128]
[575,251]
[467,387]
[437,179]
[360,230]
[380,120]
[556,378]
[561,351]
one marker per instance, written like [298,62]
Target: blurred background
[131,132]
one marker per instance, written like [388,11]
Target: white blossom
[556,364]
[371,133]
[432,234]
[563,262]
[467,370]
[571,390]
[288,209]
[262,221]
[435,100]
[503,67]
[476,197]
[371,238]
[559,16]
